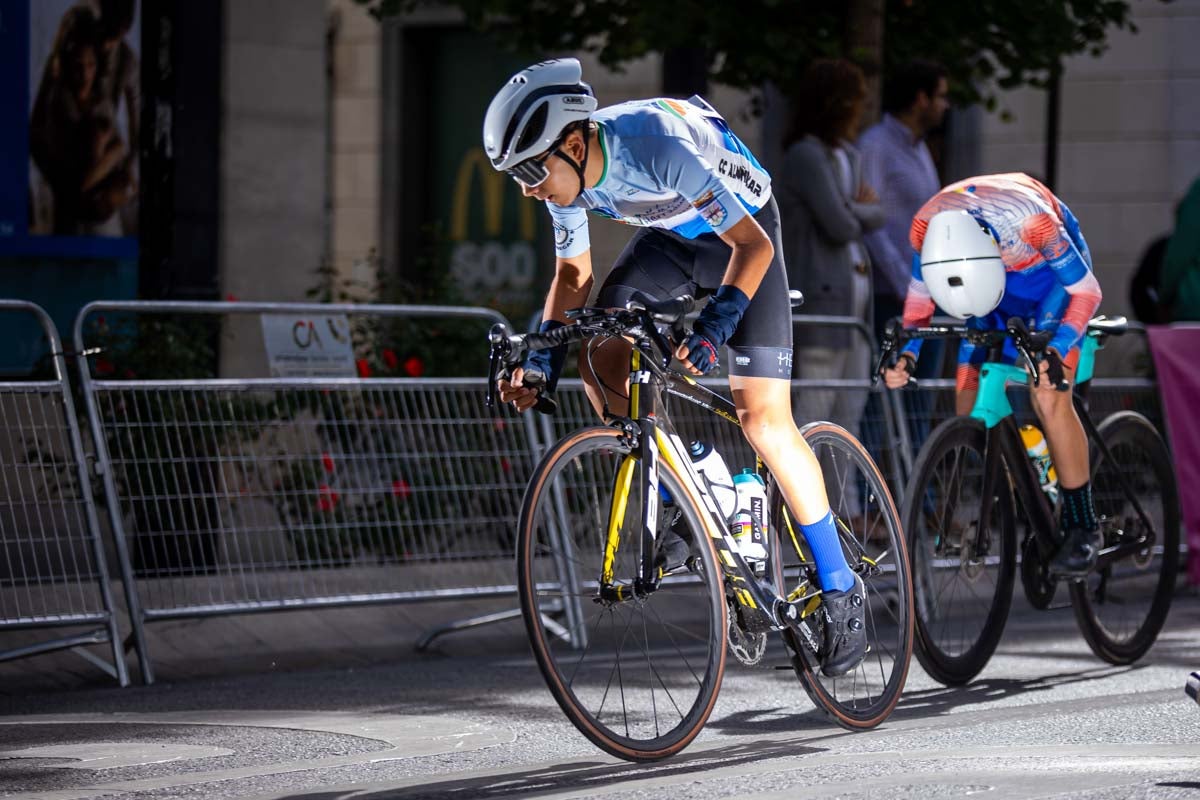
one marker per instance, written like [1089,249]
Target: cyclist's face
[561,185]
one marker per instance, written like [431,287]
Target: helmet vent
[954,280]
[534,128]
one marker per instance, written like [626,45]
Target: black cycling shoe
[845,629]
[1077,554]
[673,549]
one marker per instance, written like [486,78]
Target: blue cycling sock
[832,570]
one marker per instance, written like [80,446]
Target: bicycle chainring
[747,647]
[1035,576]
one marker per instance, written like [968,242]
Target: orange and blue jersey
[1049,282]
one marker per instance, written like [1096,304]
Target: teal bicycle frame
[1005,448]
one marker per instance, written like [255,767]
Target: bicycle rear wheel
[963,567]
[637,671]
[873,543]
[1122,606]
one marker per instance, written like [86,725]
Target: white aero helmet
[527,117]
[961,265]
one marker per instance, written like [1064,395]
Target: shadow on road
[578,776]
[942,700]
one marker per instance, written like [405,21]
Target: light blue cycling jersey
[667,164]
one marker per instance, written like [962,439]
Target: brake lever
[534,379]
[889,356]
[500,347]
[1054,371]
[1019,332]
[657,337]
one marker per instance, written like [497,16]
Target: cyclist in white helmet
[707,226]
[998,246]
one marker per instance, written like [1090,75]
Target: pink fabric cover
[1176,352]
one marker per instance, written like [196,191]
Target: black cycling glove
[548,362]
[714,326]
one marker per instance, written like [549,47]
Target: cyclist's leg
[760,367]
[652,262]
[1069,451]
[971,358]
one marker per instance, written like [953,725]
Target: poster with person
[69,182]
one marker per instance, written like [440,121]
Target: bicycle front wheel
[963,566]
[635,666]
[873,544]
[1122,606]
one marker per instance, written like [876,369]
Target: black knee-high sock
[1078,510]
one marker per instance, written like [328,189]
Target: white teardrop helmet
[528,116]
[961,265]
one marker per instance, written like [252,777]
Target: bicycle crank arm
[792,617]
[1109,555]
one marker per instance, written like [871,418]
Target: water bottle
[711,466]
[750,522]
[1039,454]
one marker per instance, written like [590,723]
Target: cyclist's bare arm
[752,254]
[748,263]
[571,285]
[570,288]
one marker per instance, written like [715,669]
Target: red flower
[401,489]
[364,368]
[229,298]
[327,498]
[104,367]
[414,367]
[505,464]
[499,424]
[390,359]
[327,462]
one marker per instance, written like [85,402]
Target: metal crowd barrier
[53,573]
[263,494]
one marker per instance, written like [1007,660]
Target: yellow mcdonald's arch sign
[493,184]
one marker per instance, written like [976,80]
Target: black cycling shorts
[664,264]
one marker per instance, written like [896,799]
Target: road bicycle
[634,649]
[973,485]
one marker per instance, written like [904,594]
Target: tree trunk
[864,46]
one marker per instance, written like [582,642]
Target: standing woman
[826,208]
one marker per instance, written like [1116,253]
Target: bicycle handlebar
[641,316]
[1030,344]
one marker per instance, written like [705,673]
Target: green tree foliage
[986,44]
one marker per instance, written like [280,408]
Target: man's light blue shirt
[900,169]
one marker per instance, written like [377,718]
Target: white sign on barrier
[308,347]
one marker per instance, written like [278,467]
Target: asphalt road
[1045,719]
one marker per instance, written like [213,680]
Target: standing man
[897,164]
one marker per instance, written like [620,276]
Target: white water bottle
[750,522]
[708,463]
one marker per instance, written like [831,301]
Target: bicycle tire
[596,656]
[871,534]
[941,519]
[1110,597]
